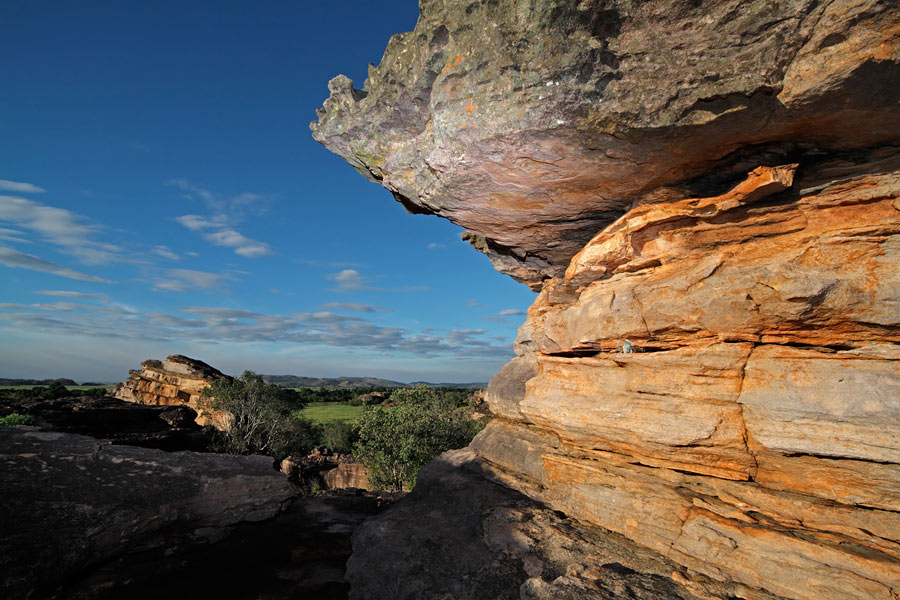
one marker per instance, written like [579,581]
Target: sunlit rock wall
[707,196]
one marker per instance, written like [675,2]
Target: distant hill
[295,381]
[4,381]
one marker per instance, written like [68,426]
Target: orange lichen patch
[470,108]
[455,62]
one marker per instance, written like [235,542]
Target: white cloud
[242,245]
[347,280]
[501,317]
[60,227]
[217,227]
[435,245]
[15,259]
[20,187]
[356,307]
[76,295]
[183,280]
[221,325]
[165,252]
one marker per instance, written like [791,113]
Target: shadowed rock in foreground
[707,197]
[81,518]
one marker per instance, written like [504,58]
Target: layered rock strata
[707,197]
[178,380]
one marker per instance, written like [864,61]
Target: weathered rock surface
[178,380]
[458,535]
[707,195]
[169,428]
[534,125]
[326,471]
[72,503]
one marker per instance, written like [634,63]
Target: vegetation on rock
[399,438]
[259,417]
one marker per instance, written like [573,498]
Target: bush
[259,420]
[339,436]
[15,420]
[396,441]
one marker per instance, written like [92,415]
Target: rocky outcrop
[326,471]
[72,503]
[169,428]
[707,196]
[178,380]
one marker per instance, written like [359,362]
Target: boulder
[168,428]
[707,197]
[176,381]
[72,504]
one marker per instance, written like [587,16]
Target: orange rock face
[749,430]
[707,196]
[174,381]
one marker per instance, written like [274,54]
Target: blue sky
[160,193]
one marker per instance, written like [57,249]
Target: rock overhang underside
[534,125]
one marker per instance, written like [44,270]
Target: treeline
[456,395]
[51,392]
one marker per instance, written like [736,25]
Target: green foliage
[396,441]
[15,420]
[627,347]
[260,420]
[50,392]
[339,436]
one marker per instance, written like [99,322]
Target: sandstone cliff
[707,197]
[178,380]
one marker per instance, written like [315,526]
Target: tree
[259,417]
[396,441]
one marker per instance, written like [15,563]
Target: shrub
[259,420]
[396,441]
[339,436]
[15,420]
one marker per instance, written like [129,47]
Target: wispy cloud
[75,295]
[183,280]
[503,315]
[61,227]
[20,187]
[222,324]
[217,227]
[347,280]
[435,245]
[16,259]
[356,307]
[165,252]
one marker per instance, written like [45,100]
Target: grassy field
[328,412]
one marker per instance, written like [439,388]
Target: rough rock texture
[169,428]
[72,503]
[707,196]
[178,380]
[325,470]
[535,124]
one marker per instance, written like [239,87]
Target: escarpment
[707,197]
